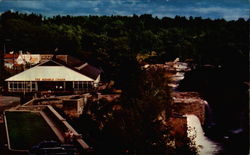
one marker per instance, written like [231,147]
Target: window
[15,85]
[82,85]
[75,84]
[33,86]
[19,85]
[11,85]
[22,86]
[85,85]
[27,85]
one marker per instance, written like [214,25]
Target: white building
[56,76]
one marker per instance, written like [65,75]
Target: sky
[214,9]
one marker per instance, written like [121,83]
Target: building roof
[56,70]
[68,60]
[90,71]
[10,56]
[79,66]
[50,63]
[49,73]
[11,61]
[28,58]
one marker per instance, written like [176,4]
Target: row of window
[82,85]
[32,86]
[22,85]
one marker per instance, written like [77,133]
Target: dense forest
[107,41]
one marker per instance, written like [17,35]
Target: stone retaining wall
[179,130]
[65,126]
[189,103]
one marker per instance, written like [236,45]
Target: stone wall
[189,103]
[73,107]
[179,129]
[32,108]
[65,126]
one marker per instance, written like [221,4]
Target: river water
[204,145]
[227,112]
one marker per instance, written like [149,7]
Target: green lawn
[27,129]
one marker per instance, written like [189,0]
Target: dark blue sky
[227,9]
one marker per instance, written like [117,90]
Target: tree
[138,128]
